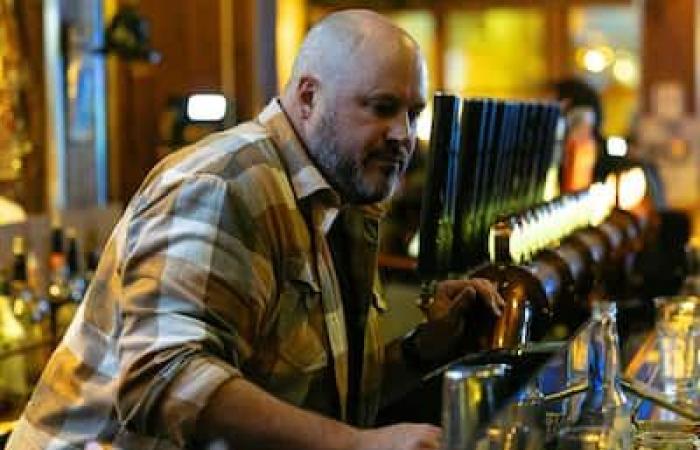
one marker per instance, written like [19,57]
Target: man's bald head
[357,87]
[340,43]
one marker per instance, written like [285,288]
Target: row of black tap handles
[487,158]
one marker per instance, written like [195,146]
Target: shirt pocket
[300,333]
[300,329]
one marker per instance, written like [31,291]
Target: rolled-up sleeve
[194,278]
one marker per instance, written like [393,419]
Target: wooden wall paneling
[203,41]
[140,127]
[245,71]
[116,105]
[265,52]
[187,34]
[227,48]
[668,49]
[559,45]
[255,59]
[31,190]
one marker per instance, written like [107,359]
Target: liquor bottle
[76,279]
[18,286]
[92,256]
[76,285]
[14,385]
[57,256]
[58,290]
[30,312]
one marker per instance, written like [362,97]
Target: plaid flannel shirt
[219,268]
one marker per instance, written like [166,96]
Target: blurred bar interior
[95,92]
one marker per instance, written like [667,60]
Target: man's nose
[400,128]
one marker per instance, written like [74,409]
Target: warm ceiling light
[616,146]
[594,61]
[632,188]
[625,71]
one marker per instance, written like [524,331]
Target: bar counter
[547,410]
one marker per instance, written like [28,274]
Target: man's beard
[343,172]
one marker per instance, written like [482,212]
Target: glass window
[497,52]
[605,43]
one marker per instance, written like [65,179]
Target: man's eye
[384,109]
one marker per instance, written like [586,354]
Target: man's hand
[454,297]
[446,314]
[400,437]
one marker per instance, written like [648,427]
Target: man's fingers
[464,298]
[487,290]
[457,295]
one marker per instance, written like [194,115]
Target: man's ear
[307,95]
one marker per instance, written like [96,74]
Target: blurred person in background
[584,145]
[580,150]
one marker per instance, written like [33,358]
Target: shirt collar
[305,177]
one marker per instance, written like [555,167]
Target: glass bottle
[603,410]
[14,385]
[76,285]
[58,290]
[31,312]
[604,359]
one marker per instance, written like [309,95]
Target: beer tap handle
[435,243]
[641,390]
[569,391]
[468,181]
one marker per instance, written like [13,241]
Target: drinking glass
[677,333]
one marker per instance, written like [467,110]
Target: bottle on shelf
[14,383]
[30,312]
[58,289]
[92,255]
[76,284]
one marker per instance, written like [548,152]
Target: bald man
[237,299]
